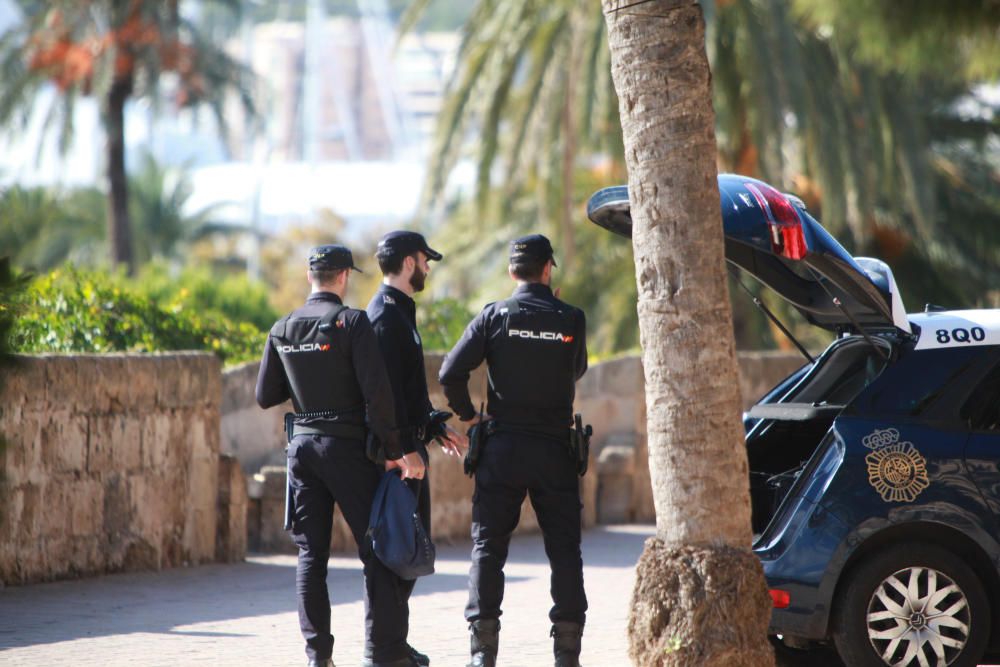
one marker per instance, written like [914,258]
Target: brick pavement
[244,614]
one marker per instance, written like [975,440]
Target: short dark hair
[325,276]
[528,268]
[391,263]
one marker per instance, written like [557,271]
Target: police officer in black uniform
[403,258]
[325,357]
[535,350]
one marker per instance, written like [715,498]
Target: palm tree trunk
[119,224]
[700,595]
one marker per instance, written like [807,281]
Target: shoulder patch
[388,299]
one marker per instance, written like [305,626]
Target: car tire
[883,609]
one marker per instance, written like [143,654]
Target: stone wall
[111,463]
[254,436]
[610,396]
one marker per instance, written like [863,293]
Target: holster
[580,444]
[478,435]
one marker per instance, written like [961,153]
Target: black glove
[435,426]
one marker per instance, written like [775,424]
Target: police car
[875,468]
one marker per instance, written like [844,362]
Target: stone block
[11,510]
[149,504]
[273,537]
[24,383]
[86,507]
[617,456]
[254,436]
[117,510]
[115,443]
[588,496]
[29,509]
[189,379]
[273,480]
[179,448]
[622,377]
[238,384]
[202,504]
[22,444]
[71,383]
[761,371]
[451,498]
[253,525]
[156,434]
[203,430]
[231,537]
[63,441]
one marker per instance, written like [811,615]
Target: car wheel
[913,605]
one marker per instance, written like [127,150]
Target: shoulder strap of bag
[278,330]
[326,322]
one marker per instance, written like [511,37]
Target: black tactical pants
[325,470]
[511,466]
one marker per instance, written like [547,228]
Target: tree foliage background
[880,116]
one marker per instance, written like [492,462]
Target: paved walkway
[244,614]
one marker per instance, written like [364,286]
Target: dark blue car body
[883,452]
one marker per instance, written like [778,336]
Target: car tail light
[783,220]
[780,599]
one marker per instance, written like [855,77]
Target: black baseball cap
[533,246]
[331,258]
[406,243]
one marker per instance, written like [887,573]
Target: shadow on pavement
[168,601]
[163,601]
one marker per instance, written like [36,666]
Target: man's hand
[453,443]
[411,464]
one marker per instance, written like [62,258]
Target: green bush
[70,310]
[232,296]
[441,323]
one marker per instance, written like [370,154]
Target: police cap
[533,246]
[405,243]
[330,258]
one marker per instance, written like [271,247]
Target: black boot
[485,642]
[566,643]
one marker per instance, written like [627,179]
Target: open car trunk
[785,429]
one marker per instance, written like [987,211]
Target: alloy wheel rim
[918,617]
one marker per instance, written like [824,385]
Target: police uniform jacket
[534,356]
[393,315]
[336,368]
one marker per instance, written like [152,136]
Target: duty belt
[322,423]
[559,433]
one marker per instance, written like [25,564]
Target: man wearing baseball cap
[324,357]
[535,349]
[404,258]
